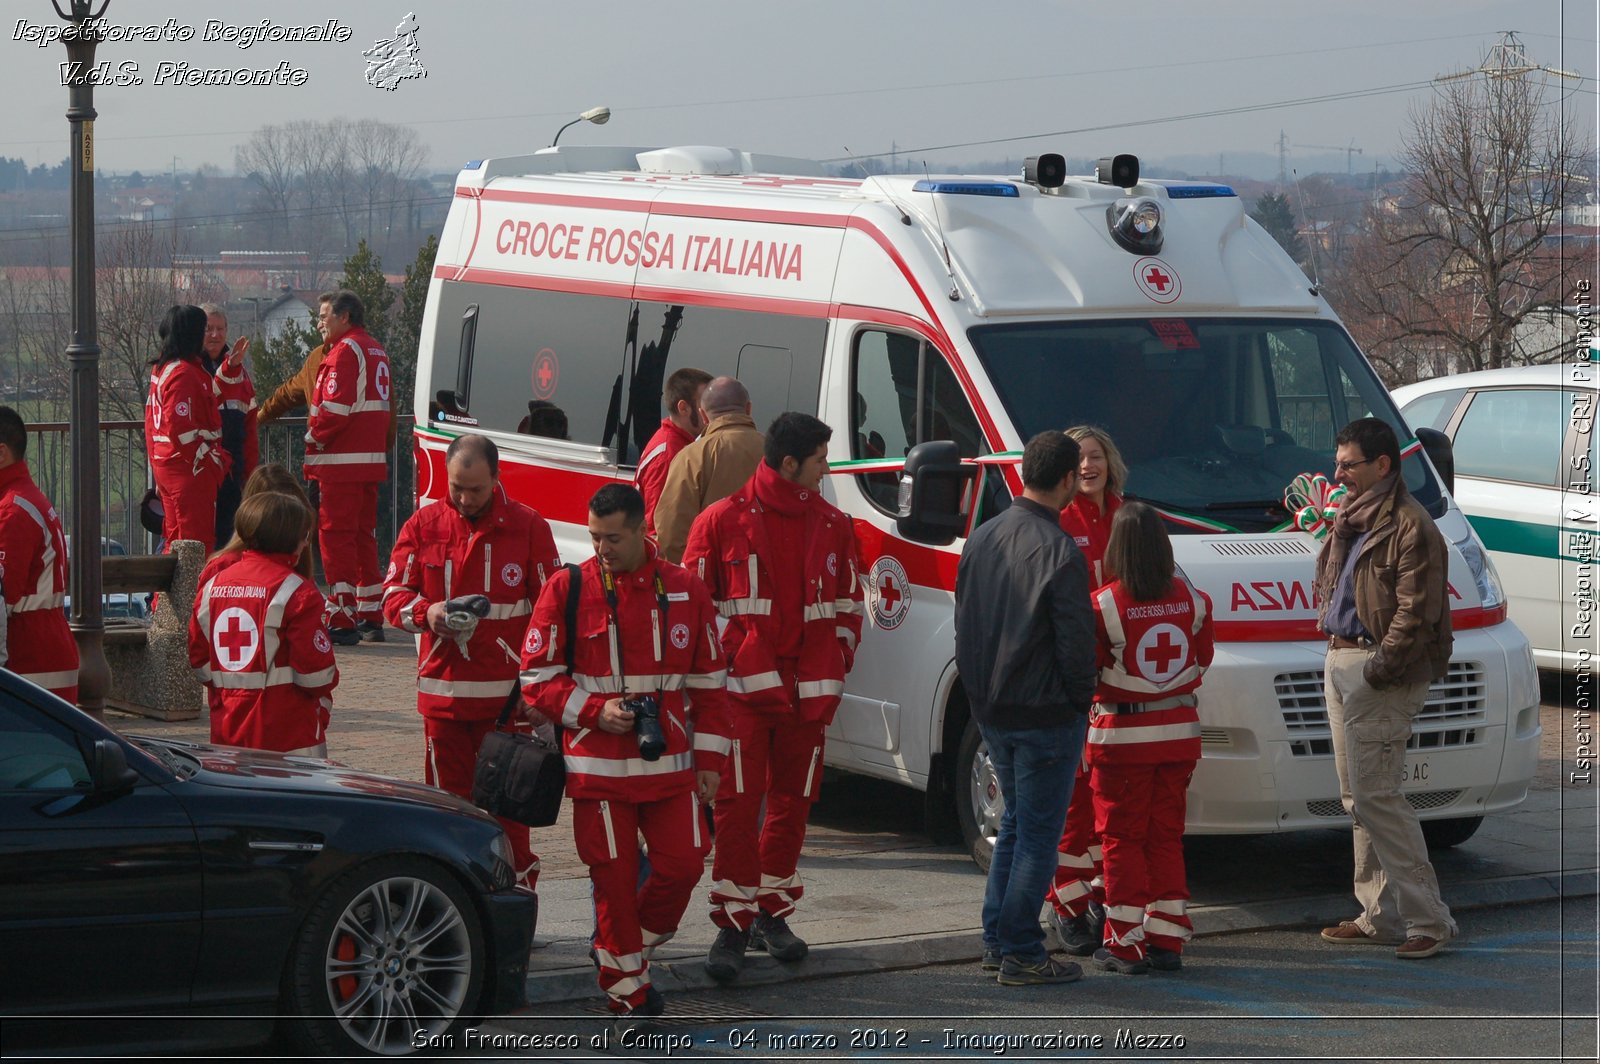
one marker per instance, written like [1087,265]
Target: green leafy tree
[1274,214]
[405,334]
[363,275]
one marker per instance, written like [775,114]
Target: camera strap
[574,589]
[609,583]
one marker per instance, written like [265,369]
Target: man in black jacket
[1025,648]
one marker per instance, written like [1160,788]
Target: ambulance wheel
[390,958]
[1443,834]
[979,803]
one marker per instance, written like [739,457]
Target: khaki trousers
[1394,881]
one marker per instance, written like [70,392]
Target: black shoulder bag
[523,777]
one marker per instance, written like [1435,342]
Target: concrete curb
[680,974]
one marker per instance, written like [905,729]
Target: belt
[1339,642]
[1122,708]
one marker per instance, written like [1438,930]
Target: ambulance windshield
[1214,416]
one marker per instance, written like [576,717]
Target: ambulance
[937,323]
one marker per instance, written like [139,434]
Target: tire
[1443,834]
[391,949]
[979,803]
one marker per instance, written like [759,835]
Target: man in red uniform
[236,408]
[645,629]
[681,427]
[479,542]
[780,563]
[1154,635]
[347,432]
[33,571]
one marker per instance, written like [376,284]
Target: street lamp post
[598,115]
[83,355]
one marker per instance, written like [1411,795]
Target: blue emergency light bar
[968,188]
[1200,191]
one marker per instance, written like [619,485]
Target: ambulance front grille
[1451,717]
[1329,808]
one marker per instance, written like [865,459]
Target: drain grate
[1332,807]
[689,1010]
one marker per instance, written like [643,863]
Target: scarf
[1356,516]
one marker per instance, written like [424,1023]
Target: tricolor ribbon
[1313,501]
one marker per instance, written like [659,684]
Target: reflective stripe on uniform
[1143,733]
[745,607]
[429,685]
[715,744]
[52,680]
[747,685]
[820,688]
[631,766]
[314,458]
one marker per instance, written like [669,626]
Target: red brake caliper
[345,950]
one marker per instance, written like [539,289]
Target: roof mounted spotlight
[1119,170]
[1045,171]
[1135,224]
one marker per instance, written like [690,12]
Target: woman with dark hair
[1155,640]
[257,638]
[1076,903]
[183,430]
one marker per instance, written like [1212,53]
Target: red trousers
[778,759]
[633,919]
[452,757]
[190,512]
[1138,810]
[1078,856]
[347,532]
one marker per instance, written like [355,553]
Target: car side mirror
[1441,452]
[111,772]
[935,494]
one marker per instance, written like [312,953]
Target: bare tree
[1457,262]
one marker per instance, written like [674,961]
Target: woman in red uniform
[257,638]
[1144,740]
[269,477]
[183,430]
[1075,900]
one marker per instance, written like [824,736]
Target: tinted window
[1432,411]
[36,753]
[1512,434]
[1214,416]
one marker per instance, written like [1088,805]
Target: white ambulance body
[900,310]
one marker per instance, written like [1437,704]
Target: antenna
[1311,244]
[955,293]
[856,162]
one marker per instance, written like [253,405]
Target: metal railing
[125,475]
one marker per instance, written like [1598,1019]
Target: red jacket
[347,426]
[236,405]
[729,549]
[663,656]
[507,554]
[1150,652]
[183,429]
[651,476]
[33,574]
[1091,530]
[258,643]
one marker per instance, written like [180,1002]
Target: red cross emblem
[1157,280]
[380,377]
[1162,651]
[235,638]
[546,374]
[891,592]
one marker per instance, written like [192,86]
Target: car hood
[263,770]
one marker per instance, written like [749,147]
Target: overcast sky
[821,79]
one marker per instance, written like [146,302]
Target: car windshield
[1214,416]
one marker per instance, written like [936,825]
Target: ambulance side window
[904,394]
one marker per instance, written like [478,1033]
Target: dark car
[230,889]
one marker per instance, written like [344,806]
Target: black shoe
[344,637]
[1107,961]
[1164,960]
[726,956]
[639,1019]
[370,632]
[1076,933]
[771,933]
[1017,973]
[991,960]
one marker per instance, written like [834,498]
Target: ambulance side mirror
[936,492]
[1441,452]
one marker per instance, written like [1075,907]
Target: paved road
[1519,985]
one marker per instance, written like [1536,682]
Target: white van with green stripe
[1524,476]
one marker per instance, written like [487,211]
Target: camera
[647,723]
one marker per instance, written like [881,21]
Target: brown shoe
[1348,934]
[1417,947]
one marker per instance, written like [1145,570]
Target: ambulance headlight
[1135,223]
[1482,568]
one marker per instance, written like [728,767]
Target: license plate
[1415,772]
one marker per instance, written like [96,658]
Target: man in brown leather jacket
[1381,583]
[712,467]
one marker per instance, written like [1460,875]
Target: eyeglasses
[1345,467]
